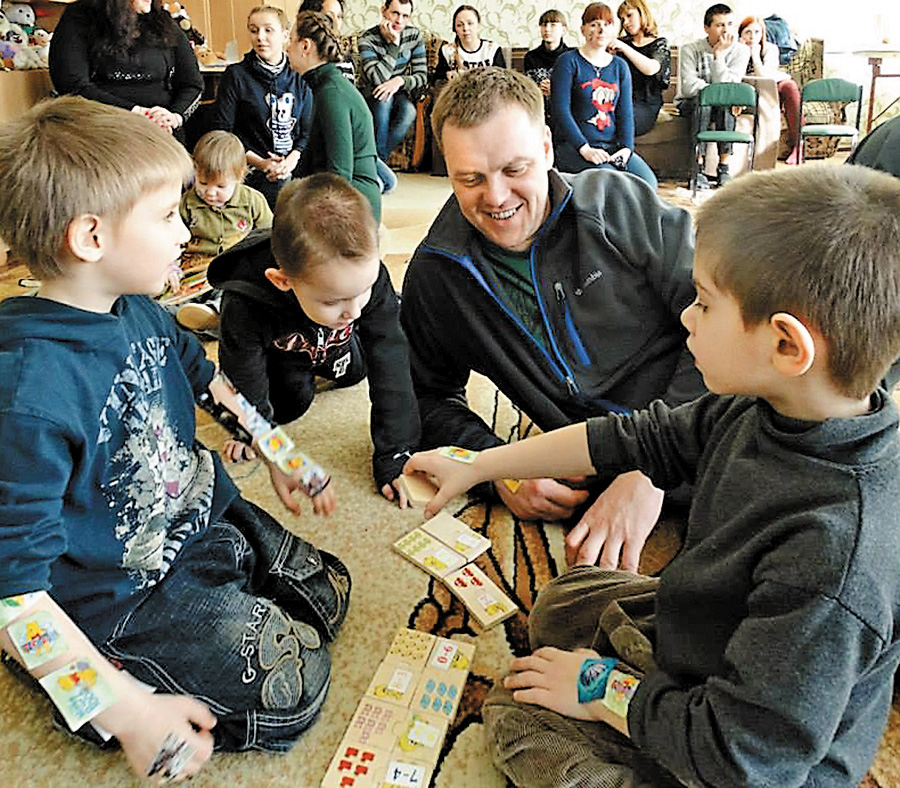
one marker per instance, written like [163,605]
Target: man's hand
[144,728]
[549,678]
[724,43]
[385,90]
[617,524]
[388,33]
[284,485]
[593,155]
[541,499]
[393,493]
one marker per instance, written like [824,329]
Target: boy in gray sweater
[768,646]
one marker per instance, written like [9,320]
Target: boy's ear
[84,237]
[795,349]
[278,278]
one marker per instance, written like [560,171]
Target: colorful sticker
[171,759]
[36,638]
[256,424]
[12,607]
[592,678]
[275,444]
[313,478]
[456,453]
[79,692]
[512,484]
[421,732]
[619,692]
[444,653]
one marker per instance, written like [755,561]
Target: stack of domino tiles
[395,736]
[446,548]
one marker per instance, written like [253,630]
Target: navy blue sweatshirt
[269,113]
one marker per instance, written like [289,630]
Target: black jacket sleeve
[187,81]
[395,415]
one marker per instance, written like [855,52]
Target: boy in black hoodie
[314,299]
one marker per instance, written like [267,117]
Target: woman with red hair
[764,63]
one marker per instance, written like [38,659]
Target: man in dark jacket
[565,291]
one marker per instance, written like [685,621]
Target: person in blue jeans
[592,114]
[392,59]
[196,621]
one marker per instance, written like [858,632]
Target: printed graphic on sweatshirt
[160,488]
[318,350]
[282,121]
[603,97]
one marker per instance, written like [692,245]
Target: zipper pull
[570,384]
[560,293]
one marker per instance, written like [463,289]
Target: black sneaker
[723,175]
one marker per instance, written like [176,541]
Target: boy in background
[719,57]
[770,642]
[220,210]
[121,537]
[315,300]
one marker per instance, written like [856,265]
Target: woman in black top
[128,53]
[649,58]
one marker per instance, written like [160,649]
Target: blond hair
[220,153]
[271,9]
[475,95]
[318,219]
[821,242]
[69,156]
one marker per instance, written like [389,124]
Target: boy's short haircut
[648,22]
[319,218]
[271,9]
[552,15]
[821,242]
[219,153]
[715,10]
[68,157]
[475,95]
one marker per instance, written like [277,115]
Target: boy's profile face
[334,293]
[143,249]
[215,190]
[721,25]
[730,356]
[267,37]
[551,34]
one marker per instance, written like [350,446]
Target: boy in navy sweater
[121,537]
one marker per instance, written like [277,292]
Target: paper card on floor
[412,645]
[482,598]
[415,735]
[429,553]
[404,774]
[451,655]
[418,490]
[456,534]
[357,766]
[395,681]
[439,693]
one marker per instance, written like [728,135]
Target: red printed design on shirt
[603,97]
[243,225]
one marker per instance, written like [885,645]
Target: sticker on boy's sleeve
[619,692]
[36,638]
[592,678]
[456,453]
[79,692]
[11,607]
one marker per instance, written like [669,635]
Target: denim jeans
[241,622]
[392,119]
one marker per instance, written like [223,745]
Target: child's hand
[145,726]
[285,486]
[393,493]
[173,280]
[549,678]
[451,477]
[238,451]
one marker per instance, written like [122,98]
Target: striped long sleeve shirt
[381,60]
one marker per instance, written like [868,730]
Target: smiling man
[564,290]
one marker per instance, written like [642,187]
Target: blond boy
[121,537]
[770,651]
